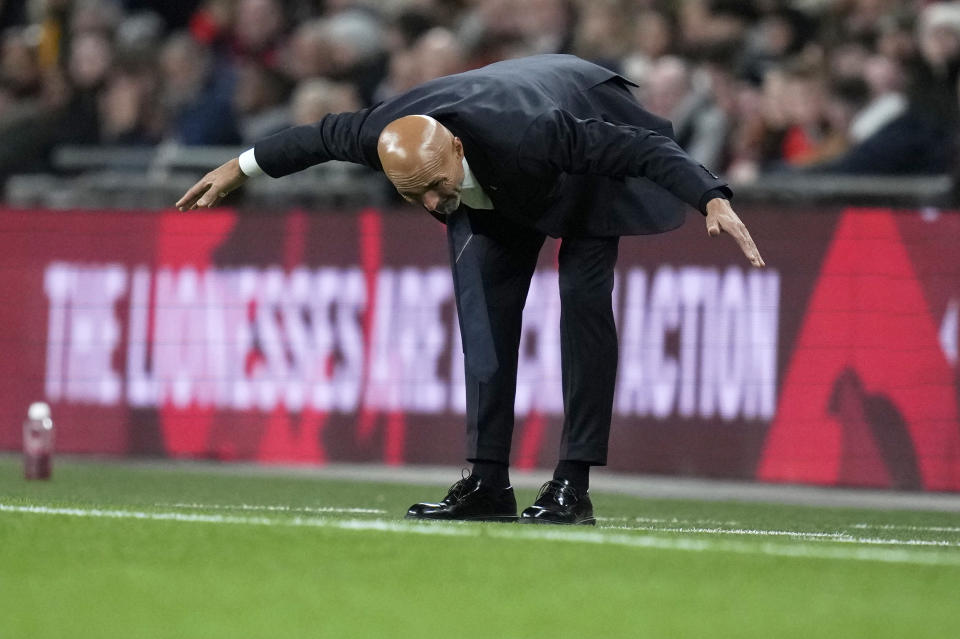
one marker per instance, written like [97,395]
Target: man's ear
[458,147]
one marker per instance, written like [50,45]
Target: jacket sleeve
[334,137]
[558,142]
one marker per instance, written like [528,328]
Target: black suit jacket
[558,144]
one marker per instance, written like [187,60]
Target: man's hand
[213,187]
[720,217]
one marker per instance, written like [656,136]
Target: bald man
[504,156]
[424,161]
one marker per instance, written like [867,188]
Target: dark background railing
[155,177]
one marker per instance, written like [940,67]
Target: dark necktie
[466,260]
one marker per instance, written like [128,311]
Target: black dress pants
[493,262]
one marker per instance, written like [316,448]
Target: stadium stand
[786,98]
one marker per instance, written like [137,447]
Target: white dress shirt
[248,164]
[471,193]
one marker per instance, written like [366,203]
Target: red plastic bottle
[38,442]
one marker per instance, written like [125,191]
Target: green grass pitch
[108,550]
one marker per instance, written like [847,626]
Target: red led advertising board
[310,337]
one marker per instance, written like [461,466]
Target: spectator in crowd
[806,136]
[861,19]
[435,54]
[138,38]
[212,22]
[354,50]
[196,97]
[758,136]
[315,98]
[28,108]
[548,26]
[712,23]
[846,100]
[895,39]
[305,54]
[672,91]
[257,31]
[654,34]
[21,80]
[743,151]
[126,108]
[884,80]
[777,37]
[260,101]
[91,58]
[89,16]
[935,70]
[847,60]
[602,35]
[406,27]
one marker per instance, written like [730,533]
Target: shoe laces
[461,486]
[556,488]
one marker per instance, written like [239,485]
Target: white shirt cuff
[248,164]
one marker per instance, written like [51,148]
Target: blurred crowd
[752,86]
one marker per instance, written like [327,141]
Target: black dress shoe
[470,500]
[560,503]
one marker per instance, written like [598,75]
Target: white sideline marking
[517,532]
[950,529]
[672,520]
[285,509]
[838,537]
[716,522]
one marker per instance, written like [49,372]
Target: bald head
[411,146]
[423,159]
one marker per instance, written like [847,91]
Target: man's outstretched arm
[560,142]
[335,137]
